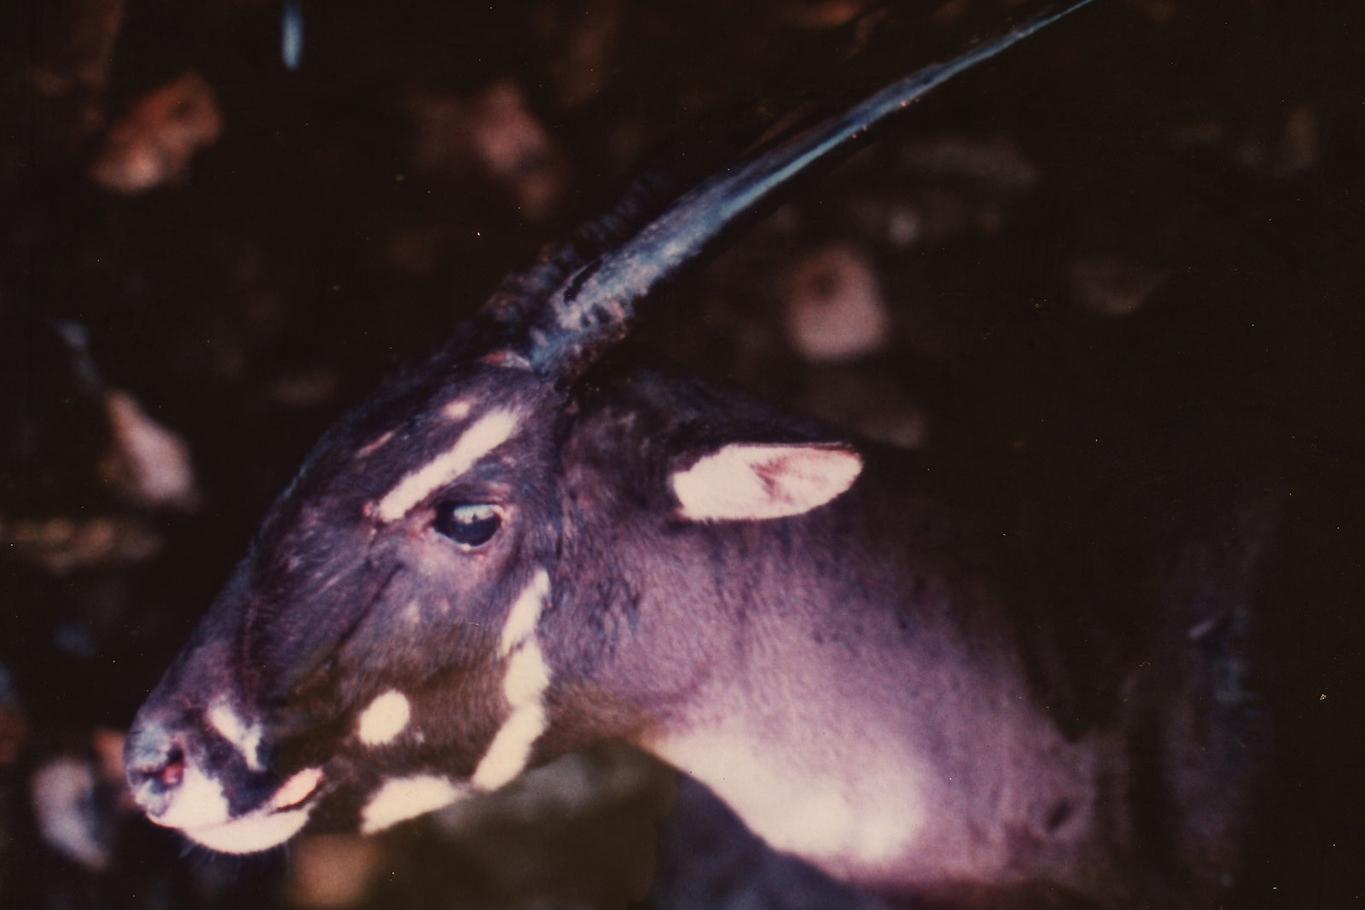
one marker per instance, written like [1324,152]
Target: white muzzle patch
[200,812]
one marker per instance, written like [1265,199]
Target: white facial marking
[523,685]
[200,812]
[458,409]
[251,833]
[245,738]
[407,797]
[374,445]
[758,482]
[864,824]
[296,789]
[528,676]
[483,436]
[383,719]
[199,802]
[525,613]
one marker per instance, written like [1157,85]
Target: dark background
[205,256]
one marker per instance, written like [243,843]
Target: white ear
[754,482]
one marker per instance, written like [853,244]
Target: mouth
[274,822]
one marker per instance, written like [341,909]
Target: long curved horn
[577,302]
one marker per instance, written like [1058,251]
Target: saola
[513,551]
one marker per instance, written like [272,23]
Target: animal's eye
[470,525]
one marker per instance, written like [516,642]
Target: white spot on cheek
[482,437]
[245,738]
[383,719]
[525,613]
[407,797]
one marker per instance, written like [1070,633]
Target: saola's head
[376,653]
[391,589]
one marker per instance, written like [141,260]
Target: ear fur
[756,482]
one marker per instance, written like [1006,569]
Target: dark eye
[468,524]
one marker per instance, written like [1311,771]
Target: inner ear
[752,482]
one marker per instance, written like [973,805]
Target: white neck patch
[858,820]
[479,438]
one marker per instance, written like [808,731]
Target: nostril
[155,762]
[173,772]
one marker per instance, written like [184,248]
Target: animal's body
[920,678]
[974,712]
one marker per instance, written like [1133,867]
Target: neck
[886,738]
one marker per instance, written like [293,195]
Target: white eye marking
[528,676]
[758,482]
[525,613]
[480,438]
[407,797]
[245,738]
[383,719]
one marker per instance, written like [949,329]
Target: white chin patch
[744,482]
[407,797]
[251,833]
[200,812]
[199,803]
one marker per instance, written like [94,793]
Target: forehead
[416,435]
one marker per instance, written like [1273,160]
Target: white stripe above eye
[479,438]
